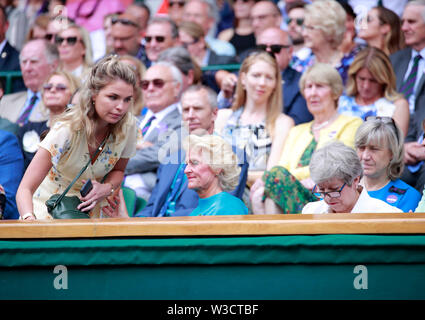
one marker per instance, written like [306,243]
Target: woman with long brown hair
[382,30]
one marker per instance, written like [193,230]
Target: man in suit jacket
[9,56]
[38,60]
[171,197]
[413,28]
[161,91]
[12,170]
[276,42]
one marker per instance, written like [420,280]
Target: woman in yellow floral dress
[103,112]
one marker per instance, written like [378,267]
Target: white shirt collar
[3,44]
[161,114]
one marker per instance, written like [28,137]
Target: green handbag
[60,206]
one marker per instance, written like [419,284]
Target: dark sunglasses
[298,21]
[58,87]
[387,120]
[157,39]
[69,40]
[244,1]
[157,83]
[274,48]
[177,3]
[123,21]
[49,36]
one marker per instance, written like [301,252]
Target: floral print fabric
[69,153]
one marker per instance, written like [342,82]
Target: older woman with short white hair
[324,29]
[336,170]
[212,171]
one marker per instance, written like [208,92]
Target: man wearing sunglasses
[276,42]
[295,21]
[161,34]
[161,86]
[127,37]
[38,59]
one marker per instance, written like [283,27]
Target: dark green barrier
[228,67]
[9,76]
[262,267]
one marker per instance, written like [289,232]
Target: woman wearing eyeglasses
[101,129]
[241,36]
[382,29]
[336,171]
[255,123]
[323,32]
[286,187]
[56,94]
[380,147]
[75,50]
[371,89]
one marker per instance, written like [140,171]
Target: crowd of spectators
[206,107]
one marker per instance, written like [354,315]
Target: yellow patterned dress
[69,153]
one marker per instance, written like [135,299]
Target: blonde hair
[379,65]
[83,115]
[323,73]
[85,39]
[74,83]
[328,16]
[139,69]
[217,153]
[275,100]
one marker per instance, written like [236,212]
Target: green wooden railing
[9,76]
[228,67]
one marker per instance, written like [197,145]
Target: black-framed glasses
[157,39]
[126,22]
[157,83]
[331,194]
[274,48]
[179,4]
[387,120]
[58,87]
[69,40]
[245,1]
[298,21]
